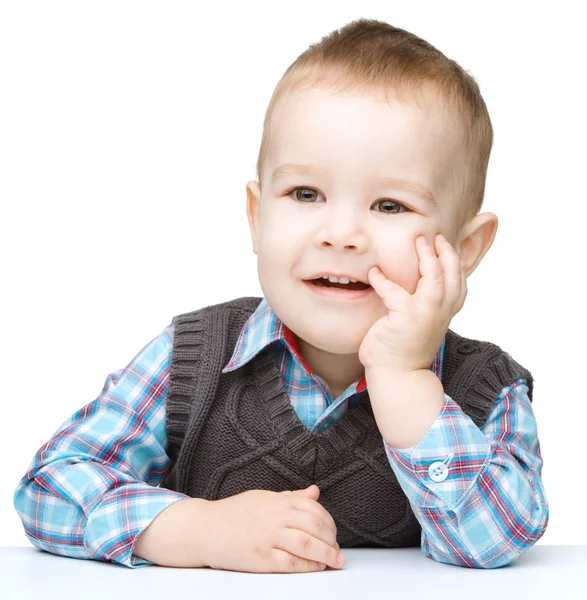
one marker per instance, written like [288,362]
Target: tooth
[354,280]
[333,279]
[343,280]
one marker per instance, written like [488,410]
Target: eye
[392,207]
[306,197]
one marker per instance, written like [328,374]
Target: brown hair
[371,56]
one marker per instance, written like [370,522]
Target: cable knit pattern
[474,370]
[237,431]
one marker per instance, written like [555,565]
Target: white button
[438,471]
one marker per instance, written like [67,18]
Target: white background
[117,116]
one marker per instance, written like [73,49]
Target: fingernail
[340,560]
[442,238]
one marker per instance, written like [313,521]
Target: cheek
[277,251]
[400,264]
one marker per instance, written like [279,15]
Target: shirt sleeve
[91,490]
[477,492]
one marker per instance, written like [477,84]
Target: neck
[338,370]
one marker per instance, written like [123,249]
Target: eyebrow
[411,186]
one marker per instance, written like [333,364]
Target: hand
[409,336]
[260,531]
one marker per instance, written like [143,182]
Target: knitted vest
[237,431]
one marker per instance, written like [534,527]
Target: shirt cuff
[440,470]
[115,525]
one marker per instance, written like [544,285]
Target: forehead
[362,135]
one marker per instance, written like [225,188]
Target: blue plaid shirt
[92,489]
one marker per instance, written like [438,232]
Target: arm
[169,540]
[90,490]
[492,505]
[396,395]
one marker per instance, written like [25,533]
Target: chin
[333,344]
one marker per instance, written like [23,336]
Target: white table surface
[543,571]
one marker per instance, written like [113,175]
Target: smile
[337,291]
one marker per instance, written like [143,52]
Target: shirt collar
[264,327]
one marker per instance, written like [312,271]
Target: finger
[306,546]
[290,563]
[311,491]
[464,287]
[452,268]
[393,295]
[313,524]
[432,283]
[463,295]
[311,506]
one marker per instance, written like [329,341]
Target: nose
[343,230]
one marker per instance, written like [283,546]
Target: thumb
[311,490]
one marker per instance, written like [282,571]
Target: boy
[339,410]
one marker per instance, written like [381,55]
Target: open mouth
[343,286]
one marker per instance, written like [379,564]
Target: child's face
[342,220]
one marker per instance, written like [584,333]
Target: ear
[254,210]
[475,239]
